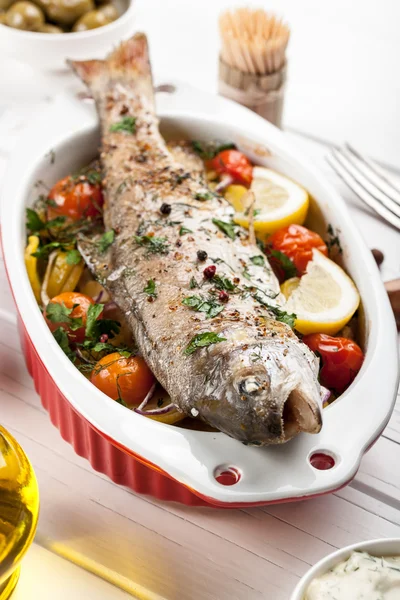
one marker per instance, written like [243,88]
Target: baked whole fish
[211,330]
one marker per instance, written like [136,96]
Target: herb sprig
[278,313]
[209,306]
[203,340]
[127,124]
[207,150]
[154,245]
[106,240]
[228,229]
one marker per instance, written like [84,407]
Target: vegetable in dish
[160,284]
[56,16]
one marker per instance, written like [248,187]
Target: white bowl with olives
[43,33]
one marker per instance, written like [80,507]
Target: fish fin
[98,263]
[130,61]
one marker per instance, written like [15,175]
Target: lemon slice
[288,286]
[278,202]
[325,298]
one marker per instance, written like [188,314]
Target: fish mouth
[268,413]
[299,414]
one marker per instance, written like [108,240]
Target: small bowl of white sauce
[364,571]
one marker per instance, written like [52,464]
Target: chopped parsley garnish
[150,288]
[57,222]
[183,230]
[73,257]
[106,240]
[246,273]
[61,337]
[227,228]
[209,306]
[33,221]
[94,311]
[127,124]
[203,196]
[59,313]
[333,240]
[154,245]
[256,212]
[97,347]
[257,260]
[93,177]
[202,340]
[207,150]
[193,284]
[278,313]
[285,262]
[223,283]
[121,187]
[44,251]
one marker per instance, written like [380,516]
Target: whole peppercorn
[165,209]
[202,255]
[209,272]
[223,296]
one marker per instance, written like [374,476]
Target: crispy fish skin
[260,384]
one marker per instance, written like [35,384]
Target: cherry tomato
[69,300]
[75,199]
[128,379]
[298,242]
[341,359]
[233,163]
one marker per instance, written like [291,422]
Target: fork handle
[393,289]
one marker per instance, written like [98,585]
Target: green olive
[109,11]
[66,12]
[91,20]
[47,28]
[24,15]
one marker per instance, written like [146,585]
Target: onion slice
[156,411]
[223,184]
[149,395]
[325,394]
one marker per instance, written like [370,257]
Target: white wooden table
[159,550]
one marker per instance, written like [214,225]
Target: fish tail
[130,61]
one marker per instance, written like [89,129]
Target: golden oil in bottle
[19,509]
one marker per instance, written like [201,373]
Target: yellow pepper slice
[63,277]
[31,265]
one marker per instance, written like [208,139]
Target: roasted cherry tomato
[341,359]
[233,163]
[298,242]
[75,198]
[126,379]
[73,306]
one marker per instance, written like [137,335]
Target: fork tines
[369,182]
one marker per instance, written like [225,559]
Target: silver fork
[371,183]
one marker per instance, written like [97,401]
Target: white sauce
[361,577]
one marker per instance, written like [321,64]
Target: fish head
[265,393]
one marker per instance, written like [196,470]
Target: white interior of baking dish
[194,458]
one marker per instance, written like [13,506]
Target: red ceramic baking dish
[174,463]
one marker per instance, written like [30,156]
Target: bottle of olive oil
[19,508]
